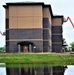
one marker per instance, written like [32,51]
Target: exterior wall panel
[56,29]
[7,34]
[38,11]
[32,22]
[56,38]
[46,23]
[46,12]
[56,48]
[30,11]
[25,34]
[7,23]
[7,46]
[37,22]
[7,13]
[46,31]
[13,23]
[13,11]
[37,34]
[13,34]
[57,22]
[46,47]
[25,11]
[13,46]
[56,34]
[26,22]
[46,34]
[39,46]
[25,17]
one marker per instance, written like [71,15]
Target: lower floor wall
[56,48]
[39,46]
[46,46]
[12,47]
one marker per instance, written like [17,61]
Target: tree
[72,46]
[64,47]
[2,49]
[64,41]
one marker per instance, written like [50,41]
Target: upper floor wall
[30,15]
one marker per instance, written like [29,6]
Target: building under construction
[32,27]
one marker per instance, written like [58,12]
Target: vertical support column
[51,71]
[19,48]
[31,71]
[30,48]
[57,33]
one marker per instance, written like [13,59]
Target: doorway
[25,46]
[25,49]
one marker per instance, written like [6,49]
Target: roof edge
[29,3]
[33,3]
[22,3]
[58,16]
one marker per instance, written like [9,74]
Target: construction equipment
[68,18]
[2,33]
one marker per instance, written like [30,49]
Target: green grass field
[36,58]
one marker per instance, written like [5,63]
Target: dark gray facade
[46,35]
[30,34]
[25,34]
[56,29]
[57,38]
[46,23]
[56,48]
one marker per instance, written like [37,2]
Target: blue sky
[59,7]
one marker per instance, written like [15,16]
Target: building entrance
[25,46]
[25,49]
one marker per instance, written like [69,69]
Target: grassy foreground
[36,58]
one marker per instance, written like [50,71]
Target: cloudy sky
[59,7]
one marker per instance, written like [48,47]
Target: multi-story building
[32,27]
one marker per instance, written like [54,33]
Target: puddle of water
[23,69]
[69,70]
[2,70]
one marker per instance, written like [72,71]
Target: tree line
[72,46]
[66,47]
[2,49]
